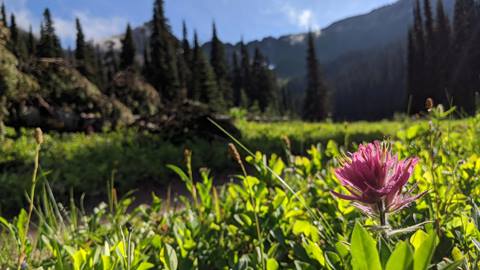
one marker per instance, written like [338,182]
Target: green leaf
[450,265]
[476,243]
[418,238]
[4,222]
[79,258]
[9,226]
[168,256]
[272,264]
[145,266]
[106,262]
[401,258]
[299,265]
[384,251]
[364,250]
[314,251]
[21,224]
[188,182]
[424,253]
[179,172]
[333,260]
[305,227]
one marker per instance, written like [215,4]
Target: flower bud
[287,142]
[232,150]
[187,154]
[38,136]
[429,104]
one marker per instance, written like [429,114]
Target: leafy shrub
[277,214]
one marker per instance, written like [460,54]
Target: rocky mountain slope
[376,29]
[354,53]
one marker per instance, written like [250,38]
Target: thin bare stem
[23,240]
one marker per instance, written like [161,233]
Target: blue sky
[250,19]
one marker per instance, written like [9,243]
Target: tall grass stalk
[234,153]
[23,240]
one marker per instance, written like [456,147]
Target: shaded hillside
[369,84]
[376,29]
[53,95]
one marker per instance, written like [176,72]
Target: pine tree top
[3,13]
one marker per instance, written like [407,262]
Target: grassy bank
[84,163]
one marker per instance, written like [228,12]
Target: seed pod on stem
[38,136]
[233,151]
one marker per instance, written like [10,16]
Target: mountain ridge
[363,55]
[377,28]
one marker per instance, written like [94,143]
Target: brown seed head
[429,104]
[187,154]
[38,136]
[232,150]
[287,142]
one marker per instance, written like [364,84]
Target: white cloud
[23,16]
[303,18]
[98,28]
[95,28]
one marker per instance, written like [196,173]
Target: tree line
[178,69]
[443,61]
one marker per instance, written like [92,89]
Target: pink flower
[375,179]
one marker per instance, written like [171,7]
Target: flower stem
[382,213]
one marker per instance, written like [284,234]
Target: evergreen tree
[16,44]
[430,86]
[256,73]
[410,69]
[204,86]
[99,67]
[429,23]
[187,51]
[184,64]
[183,77]
[110,62]
[146,61]
[14,38]
[236,82]
[219,63]
[163,67]
[315,104]
[93,70]
[49,44]
[263,82]
[127,56]
[85,56]
[246,72]
[3,13]
[442,53]
[474,58]
[81,50]
[443,30]
[463,92]
[31,43]
[193,91]
[416,92]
